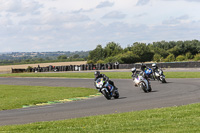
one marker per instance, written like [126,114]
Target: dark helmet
[96,73]
[143,67]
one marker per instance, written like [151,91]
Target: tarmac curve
[174,93]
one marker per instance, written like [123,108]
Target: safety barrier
[108,66]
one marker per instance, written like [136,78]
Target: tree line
[141,52]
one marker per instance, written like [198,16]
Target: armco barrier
[108,66]
[194,64]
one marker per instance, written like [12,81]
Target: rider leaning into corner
[97,75]
[142,70]
[155,68]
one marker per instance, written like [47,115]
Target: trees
[76,56]
[197,57]
[157,58]
[170,58]
[188,56]
[180,58]
[141,52]
[62,57]
[96,54]
[112,49]
[129,57]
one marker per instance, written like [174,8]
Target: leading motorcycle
[106,89]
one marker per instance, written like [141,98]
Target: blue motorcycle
[149,73]
[106,89]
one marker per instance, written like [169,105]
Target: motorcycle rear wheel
[163,80]
[116,95]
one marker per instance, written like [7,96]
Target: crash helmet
[96,73]
[133,70]
[154,65]
[143,67]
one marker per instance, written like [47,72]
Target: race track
[175,92]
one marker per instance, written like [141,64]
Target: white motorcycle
[142,82]
[106,89]
[159,75]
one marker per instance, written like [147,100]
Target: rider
[97,75]
[134,72]
[154,67]
[143,67]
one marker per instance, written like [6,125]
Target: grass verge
[111,75]
[14,96]
[173,119]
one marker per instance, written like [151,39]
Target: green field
[181,119]
[16,96]
[111,75]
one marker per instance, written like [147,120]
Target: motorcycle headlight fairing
[100,86]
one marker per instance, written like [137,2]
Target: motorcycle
[142,82]
[106,89]
[149,73]
[158,73]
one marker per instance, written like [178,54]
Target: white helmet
[133,70]
[153,65]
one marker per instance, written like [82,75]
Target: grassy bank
[112,75]
[173,119]
[15,96]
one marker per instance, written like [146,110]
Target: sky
[80,25]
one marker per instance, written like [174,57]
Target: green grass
[173,119]
[168,120]
[13,96]
[111,75]
[182,74]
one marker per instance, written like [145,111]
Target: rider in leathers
[142,68]
[97,75]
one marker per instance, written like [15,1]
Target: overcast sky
[75,25]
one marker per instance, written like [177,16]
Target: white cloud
[192,0]
[142,2]
[19,6]
[53,25]
[105,4]
[178,20]
[114,15]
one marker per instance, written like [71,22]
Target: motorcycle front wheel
[163,80]
[106,94]
[143,87]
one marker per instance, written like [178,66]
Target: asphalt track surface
[174,93]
